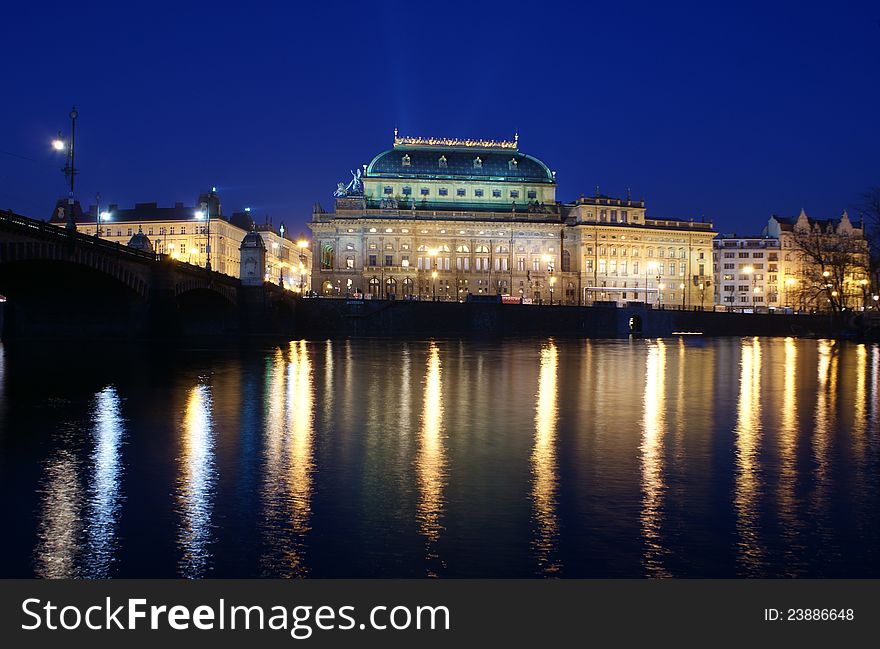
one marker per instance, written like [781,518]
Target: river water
[681,457]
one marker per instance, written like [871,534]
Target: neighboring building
[825,261]
[182,232]
[450,217]
[750,273]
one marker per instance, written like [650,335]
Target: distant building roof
[455,159]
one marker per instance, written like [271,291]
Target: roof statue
[354,188]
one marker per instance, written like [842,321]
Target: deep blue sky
[731,112]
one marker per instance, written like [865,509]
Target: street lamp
[103,217]
[69,168]
[552,282]
[434,277]
[302,244]
[750,272]
[432,263]
[876,299]
[204,214]
[702,295]
[660,287]
[864,284]
[681,288]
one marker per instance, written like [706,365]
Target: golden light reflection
[195,484]
[875,392]
[287,491]
[747,486]
[544,478]
[788,439]
[104,498]
[826,408]
[651,452]
[431,462]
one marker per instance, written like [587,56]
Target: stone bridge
[65,284]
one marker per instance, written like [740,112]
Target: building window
[327,256]
[443,191]
[442,162]
[372,260]
[496,193]
[389,260]
[405,161]
[388,189]
[183,229]
[424,191]
[129,232]
[532,194]
[478,193]
[459,192]
[478,164]
[407,191]
[514,193]
[349,262]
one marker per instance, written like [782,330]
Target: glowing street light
[552,282]
[681,288]
[58,144]
[302,244]
[434,277]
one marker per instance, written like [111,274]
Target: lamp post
[552,282]
[750,272]
[103,217]
[789,282]
[302,244]
[702,295]
[204,214]
[69,168]
[826,275]
[432,264]
[681,288]
[660,288]
[864,284]
[649,268]
[876,299]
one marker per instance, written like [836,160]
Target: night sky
[730,113]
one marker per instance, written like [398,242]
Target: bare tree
[833,265]
[869,207]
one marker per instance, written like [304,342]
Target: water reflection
[104,492]
[544,478]
[651,451]
[788,439]
[825,422]
[289,469]
[747,486]
[430,462]
[60,518]
[195,484]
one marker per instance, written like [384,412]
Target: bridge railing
[53,231]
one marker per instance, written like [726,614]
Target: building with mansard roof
[450,217]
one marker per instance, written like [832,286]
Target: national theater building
[450,217]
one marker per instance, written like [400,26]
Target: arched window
[407,287]
[462,249]
[566,261]
[502,249]
[390,287]
[443,248]
[482,249]
[374,286]
[328,256]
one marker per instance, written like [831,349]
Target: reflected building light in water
[747,483]
[287,488]
[327,393]
[196,478]
[430,462]
[404,429]
[825,422]
[104,491]
[544,478]
[875,393]
[788,434]
[651,452]
[58,538]
[300,466]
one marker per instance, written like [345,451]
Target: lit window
[405,160]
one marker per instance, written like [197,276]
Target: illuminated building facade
[447,218]
[184,233]
[781,267]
